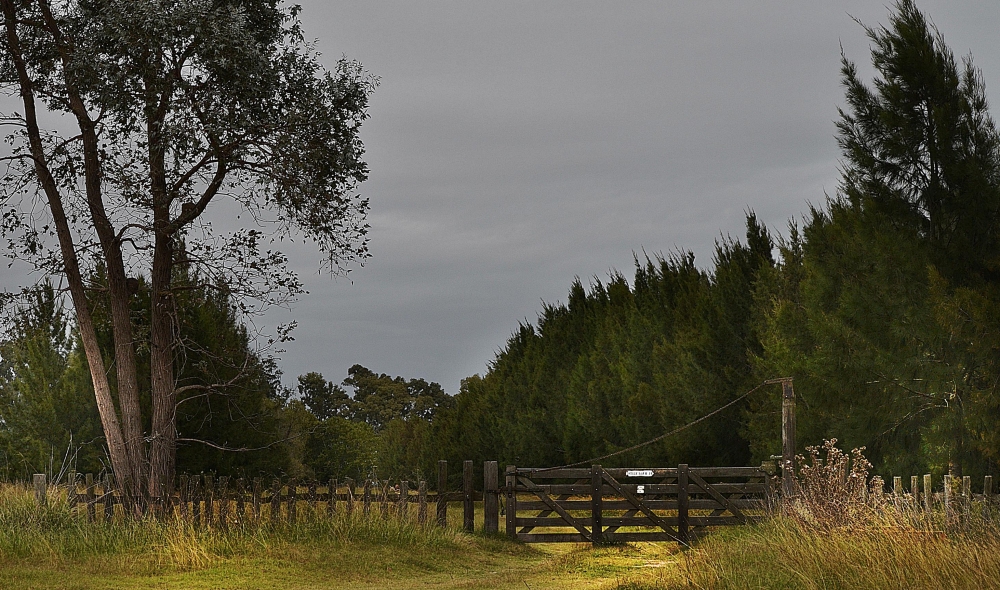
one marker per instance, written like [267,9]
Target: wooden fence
[955,497]
[599,505]
[209,501]
[593,504]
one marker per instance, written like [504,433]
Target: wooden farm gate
[599,505]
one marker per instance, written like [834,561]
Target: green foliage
[377,400]
[337,447]
[880,308]
[48,419]
[321,397]
[621,364]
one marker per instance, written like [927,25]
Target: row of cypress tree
[883,303]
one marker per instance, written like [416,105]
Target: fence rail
[582,505]
[206,500]
[599,505]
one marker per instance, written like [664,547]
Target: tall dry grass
[56,533]
[842,532]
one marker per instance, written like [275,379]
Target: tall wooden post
[947,497]
[402,506]
[787,438]
[331,504]
[422,503]
[40,489]
[491,504]
[596,504]
[928,493]
[510,479]
[682,504]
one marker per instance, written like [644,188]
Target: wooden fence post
[597,504]
[293,499]
[366,504]
[241,506]
[469,512]
[787,438]
[195,492]
[331,504]
[682,504]
[510,481]
[312,498]
[403,502]
[258,492]
[947,497]
[89,482]
[183,492]
[40,489]
[422,505]
[442,493]
[209,500]
[491,502]
[928,493]
[915,491]
[71,490]
[275,501]
[384,505]
[224,503]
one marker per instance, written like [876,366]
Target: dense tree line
[883,303]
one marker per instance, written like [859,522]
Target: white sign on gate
[640,489]
[639,473]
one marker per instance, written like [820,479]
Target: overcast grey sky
[516,145]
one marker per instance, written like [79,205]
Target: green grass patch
[52,547]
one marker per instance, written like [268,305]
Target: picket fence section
[208,501]
[956,496]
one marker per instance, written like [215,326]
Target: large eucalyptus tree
[138,117]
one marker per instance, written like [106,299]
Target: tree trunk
[117,448]
[164,434]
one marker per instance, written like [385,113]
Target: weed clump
[833,488]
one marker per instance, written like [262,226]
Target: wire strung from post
[662,436]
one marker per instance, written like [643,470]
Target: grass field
[52,548]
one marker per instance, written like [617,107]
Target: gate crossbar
[651,493]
